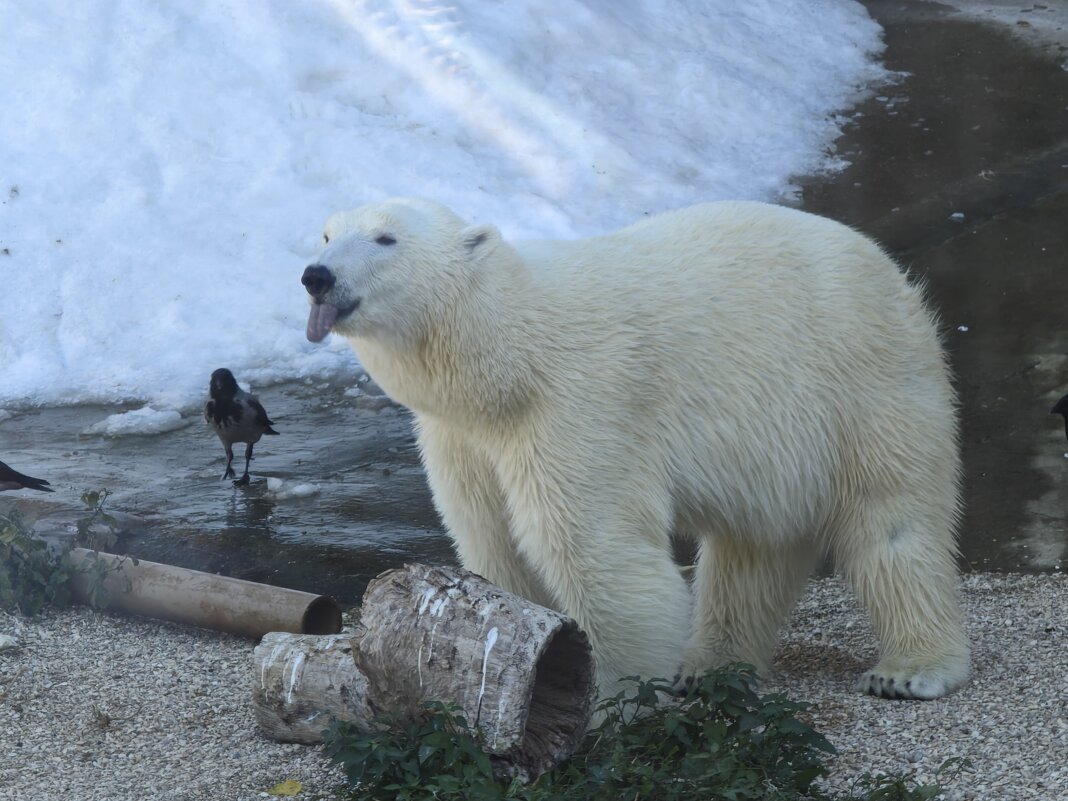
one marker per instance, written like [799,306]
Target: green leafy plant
[34,574]
[722,741]
[881,787]
[437,751]
[98,530]
[31,577]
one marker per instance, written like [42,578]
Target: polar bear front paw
[695,664]
[918,684]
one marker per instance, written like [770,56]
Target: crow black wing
[262,420]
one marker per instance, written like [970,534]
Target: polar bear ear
[480,240]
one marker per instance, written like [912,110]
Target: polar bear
[759,380]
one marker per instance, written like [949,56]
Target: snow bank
[166,167]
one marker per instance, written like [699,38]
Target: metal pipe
[151,589]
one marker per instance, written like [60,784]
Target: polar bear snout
[318,280]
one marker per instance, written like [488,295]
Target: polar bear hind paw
[923,684]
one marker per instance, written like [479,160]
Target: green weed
[34,574]
[721,742]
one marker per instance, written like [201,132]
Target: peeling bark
[521,673]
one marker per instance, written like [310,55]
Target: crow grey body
[14,480]
[236,416]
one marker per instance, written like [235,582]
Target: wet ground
[336,499]
[960,169]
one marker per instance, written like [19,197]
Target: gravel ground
[99,707]
[95,706]
[1010,720]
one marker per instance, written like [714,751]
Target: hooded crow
[14,480]
[1061,407]
[236,416]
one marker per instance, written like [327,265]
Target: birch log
[520,673]
[304,680]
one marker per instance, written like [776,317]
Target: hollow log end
[561,705]
[522,674]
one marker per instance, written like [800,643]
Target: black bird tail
[27,482]
[13,479]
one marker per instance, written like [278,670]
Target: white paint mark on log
[333,639]
[491,640]
[268,664]
[419,664]
[500,716]
[294,676]
[433,631]
[439,606]
[427,596]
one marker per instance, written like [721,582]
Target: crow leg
[248,458]
[229,458]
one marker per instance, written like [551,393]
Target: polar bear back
[784,348]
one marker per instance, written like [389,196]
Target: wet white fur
[757,378]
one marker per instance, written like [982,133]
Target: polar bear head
[388,269]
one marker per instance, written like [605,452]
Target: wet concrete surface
[960,169]
[348,500]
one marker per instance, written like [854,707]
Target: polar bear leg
[627,595]
[743,593]
[605,555]
[901,564]
[468,498]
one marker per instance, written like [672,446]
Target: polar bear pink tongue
[320,318]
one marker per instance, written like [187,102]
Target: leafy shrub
[899,788]
[30,576]
[722,741]
[405,761]
[34,575]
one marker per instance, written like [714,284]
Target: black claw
[681,686]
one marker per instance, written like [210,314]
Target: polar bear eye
[386,239]
[326,239]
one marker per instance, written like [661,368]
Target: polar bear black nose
[318,280]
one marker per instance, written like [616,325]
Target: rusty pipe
[151,589]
